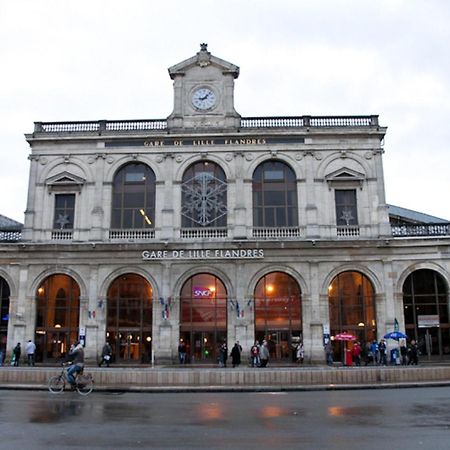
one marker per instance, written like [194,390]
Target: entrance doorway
[57,317]
[278,315]
[4,316]
[129,316]
[426,310]
[203,324]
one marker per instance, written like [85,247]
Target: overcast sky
[64,60]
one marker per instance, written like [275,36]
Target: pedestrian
[264,354]
[223,354]
[300,353]
[182,352]
[413,353]
[17,351]
[403,354]
[106,355]
[31,350]
[382,350]
[374,352]
[356,353]
[236,354]
[329,353]
[254,354]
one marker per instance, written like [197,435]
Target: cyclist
[76,357]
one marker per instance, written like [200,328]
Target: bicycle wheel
[85,384]
[56,384]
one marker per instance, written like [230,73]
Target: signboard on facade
[253,253]
[428,321]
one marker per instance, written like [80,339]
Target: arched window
[133,198]
[57,316]
[4,313]
[425,305]
[274,195]
[129,318]
[352,306]
[278,313]
[203,316]
[204,196]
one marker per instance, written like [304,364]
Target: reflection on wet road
[402,418]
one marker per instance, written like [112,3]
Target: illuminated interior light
[40,290]
[57,325]
[145,216]
[269,288]
[148,339]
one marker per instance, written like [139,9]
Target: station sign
[252,253]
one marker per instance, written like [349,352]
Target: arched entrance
[57,316]
[425,306]
[129,319]
[278,314]
[203,316]
[4,316]
[351,298]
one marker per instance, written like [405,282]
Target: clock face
[203,98]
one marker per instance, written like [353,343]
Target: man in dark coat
[236,354]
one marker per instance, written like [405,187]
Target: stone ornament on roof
[203,56]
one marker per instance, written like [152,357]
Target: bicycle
[84,384]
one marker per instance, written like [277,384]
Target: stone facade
[325,153]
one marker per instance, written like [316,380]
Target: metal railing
[429,229]
[10,236]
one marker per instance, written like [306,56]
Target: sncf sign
[201,292]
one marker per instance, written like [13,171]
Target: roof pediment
[203,58]
[64,181]
[345,174]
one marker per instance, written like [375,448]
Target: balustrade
[348,232]
[131,234]
[246,122]
[203,233]
[62,235]
[277,233]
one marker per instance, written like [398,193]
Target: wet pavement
[410,419]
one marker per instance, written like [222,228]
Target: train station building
[206,227]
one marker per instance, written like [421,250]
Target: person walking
[382,352]
[31,350]
[223,354]
[329,353]
[236,354]
[300,353]
[106,355]
[413,353]
[374,351]
[264,354]
[403,354]
[254,354]
[17,351]
[182,352]
[356,354]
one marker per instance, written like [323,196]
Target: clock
[204,98]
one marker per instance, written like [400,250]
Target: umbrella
[344,337]
[395,335]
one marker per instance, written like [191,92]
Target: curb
[218,389]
